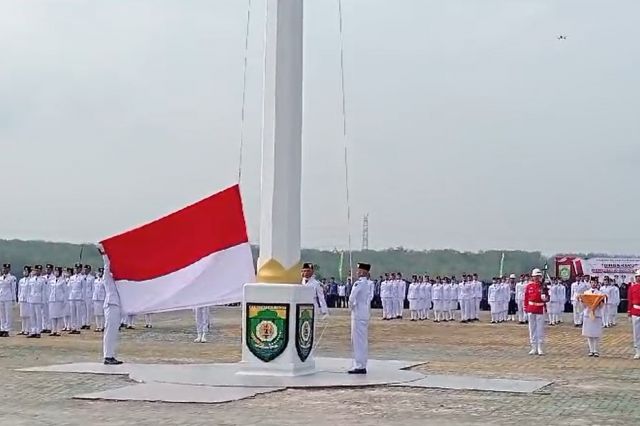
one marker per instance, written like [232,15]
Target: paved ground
[602,391]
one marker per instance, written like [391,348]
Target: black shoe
[596,354]
[31,336]
[112,361]
[130,327]
[45,331]
[358,371]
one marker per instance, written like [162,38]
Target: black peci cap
[364,266]
[7,265]
[307,265]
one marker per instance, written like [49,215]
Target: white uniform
[111,313]
[465,297]
[592,327]
[98,296]
[359,306]
[414,300]
[89,282]
[494,300]
[202,323]
[577,288]
[57,297]
[553,307]
[436,296]
[23,303]
[477,297]
[387,300]
[446,301]
[522,317]
[319,301]
[453,302]
[401,291]
[36,299]
[7,299]
[76,300]
[428,291]
[46,318]
[612,305]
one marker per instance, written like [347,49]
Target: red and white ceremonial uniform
[534,307]
[633,296]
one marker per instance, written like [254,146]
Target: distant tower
[365,232]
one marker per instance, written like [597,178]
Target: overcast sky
[471,126]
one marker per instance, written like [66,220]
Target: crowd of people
[52,300]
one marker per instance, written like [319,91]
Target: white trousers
[202,320]
[112,325]
[577,312]
[594,344]
[360,342]
[476,312]
[36,318]
[46,320]
[521,315]
[76,306]
[88,312]
[387,307]
[6,315]
[56,325]
[147,319]
[635,321]
[536,329]
[465,309]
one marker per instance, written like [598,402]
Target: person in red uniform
[534,302]
[633,297]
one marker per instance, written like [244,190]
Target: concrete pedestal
[277,330]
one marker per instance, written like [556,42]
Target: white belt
[536,304]
[636,306]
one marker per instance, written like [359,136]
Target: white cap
[536,273]
[638,273]
[512,276]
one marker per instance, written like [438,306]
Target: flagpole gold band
[273,272]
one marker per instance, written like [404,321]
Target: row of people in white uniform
[54,299]
[440,296]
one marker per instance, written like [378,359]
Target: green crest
[565,272]
[304,330]
[267,332]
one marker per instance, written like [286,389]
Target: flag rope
[244,89]
[345,136]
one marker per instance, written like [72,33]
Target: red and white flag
[197,256]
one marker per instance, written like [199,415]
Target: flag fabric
[197,256]
[341,266]
[501,264]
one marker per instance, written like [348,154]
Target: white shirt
[23,290]
[359,300]
[99,293]
[36,289]
[89,281]
[342,290]
[413,293]
[436,292]
[111,291]
[7,288]
[318,298]
[58,290]
[76,287]
[493,293]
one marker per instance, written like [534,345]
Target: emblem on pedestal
[304,330]
[267,330]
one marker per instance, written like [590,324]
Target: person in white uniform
[56,300]
[309,279]
[23,302]
[465,297]
[520,285]
[477,297]
[89,281]
[422,298]
[493,299]
[592,323]
[612,305]
[76,299]
[446,299]
[414,298]
[98,296]
[8,290]
[36,299]
[605,288]
[453,306]
[111,314]
[359,306]
[436,296]
[67,273]
[553,307]
[385,296]
[148,323]
[577,288]
[202,324]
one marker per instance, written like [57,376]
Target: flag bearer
[111,314]
[535,300]
[592,322]
[202,324]
[359,306]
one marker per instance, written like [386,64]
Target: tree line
[432,262]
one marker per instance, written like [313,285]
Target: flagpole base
[277,330]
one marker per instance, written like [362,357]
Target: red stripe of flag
[179,239]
